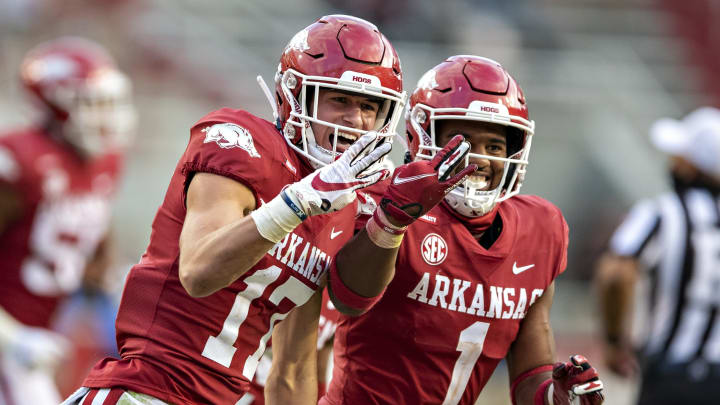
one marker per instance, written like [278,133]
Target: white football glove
[37,347]
[332,187]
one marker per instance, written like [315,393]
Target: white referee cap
[695,138]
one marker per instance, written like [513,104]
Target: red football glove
[418,186]
[575,382]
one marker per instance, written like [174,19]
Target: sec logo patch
[433,249]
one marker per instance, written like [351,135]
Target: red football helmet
[78,86]
[337,52]
[472,88]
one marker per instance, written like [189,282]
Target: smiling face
[346,109]
[485,139]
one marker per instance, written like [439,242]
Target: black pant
[677,385]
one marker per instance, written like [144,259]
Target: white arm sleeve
[637,228]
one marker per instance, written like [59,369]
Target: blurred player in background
[239,243]
[473,276]
[667,251]
[57,180]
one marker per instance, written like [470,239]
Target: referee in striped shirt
[665,257]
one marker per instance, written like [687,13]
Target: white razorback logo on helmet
[434,250]
[299,42]
[427,81]
[231,136]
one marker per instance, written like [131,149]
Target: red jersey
[187,350]
[66,213]
[452,310]
[328,321]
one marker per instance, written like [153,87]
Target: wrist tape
[276,218]
[383,233]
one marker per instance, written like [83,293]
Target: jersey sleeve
[563,247]
[16,174]
[639,225]
[232,144]
[328,321]
[10,170]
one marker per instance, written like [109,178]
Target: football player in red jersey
[57,180]
[239,241]
[471,279]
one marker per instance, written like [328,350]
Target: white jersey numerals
[65,233]
[470,346]
[221,348]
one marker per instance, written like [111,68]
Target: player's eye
[496,148]
[370,107]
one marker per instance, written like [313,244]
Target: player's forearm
[293,375]
[526,392]
[217,259]
[364,267]
[616,282]
[280,390]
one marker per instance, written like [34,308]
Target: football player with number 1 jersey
[473,275]
[57,181]
[240,242]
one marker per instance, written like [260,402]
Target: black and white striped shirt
[676,238]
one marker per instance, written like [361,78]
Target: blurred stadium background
[596,74]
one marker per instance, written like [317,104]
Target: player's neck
[479,226]
[488,237]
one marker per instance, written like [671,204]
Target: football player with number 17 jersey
[473,275]
[240,243]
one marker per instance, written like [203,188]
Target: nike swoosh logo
[401,180]
[334,234]
[518,270]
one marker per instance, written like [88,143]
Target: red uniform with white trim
[188,350]
[452,310]
[66,206]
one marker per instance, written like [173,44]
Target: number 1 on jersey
[470,346]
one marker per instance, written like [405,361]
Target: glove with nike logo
[418,186]
[325,190]
[415,189]
[575,382]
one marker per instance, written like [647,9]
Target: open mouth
[479,181]
[344,140]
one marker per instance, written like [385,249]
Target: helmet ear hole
[514,140]
[408,157]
